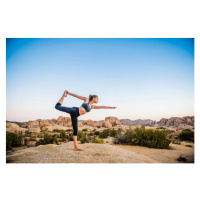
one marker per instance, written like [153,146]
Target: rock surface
[64,153]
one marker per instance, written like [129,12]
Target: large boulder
[66,120]
[69,124]
[34,130]
[60,120]
[17,130]
[88,122]
[44,124]
[113,120]
[33,124]
[107,124]
[11,125]
[96,123]
[80,124]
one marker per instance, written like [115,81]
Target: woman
[77,111]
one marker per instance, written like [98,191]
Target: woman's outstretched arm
[102,107]
[79,97]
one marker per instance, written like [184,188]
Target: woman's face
[96,99]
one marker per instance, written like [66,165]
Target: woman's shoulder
[86,100]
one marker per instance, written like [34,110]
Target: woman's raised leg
[64,109]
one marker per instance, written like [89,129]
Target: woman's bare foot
[65,93]
[78,149]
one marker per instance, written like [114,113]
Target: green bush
[144,137]
[70,137]
[97,140]
[59,131]
[80,135]
[68,130]
[187,135]
[105,133]
[120,139]
[63,136]
[84,139]
[90,134]
[97,132]
[114,133]
[47,140]
[85,129]
[13,140]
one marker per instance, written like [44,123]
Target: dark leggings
[74,113]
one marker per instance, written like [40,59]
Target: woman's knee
[75,133]
[57,106]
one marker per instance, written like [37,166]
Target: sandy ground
[100,153]
[64,153]
[165,155]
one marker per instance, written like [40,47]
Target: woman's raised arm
[102,107]
[79,97]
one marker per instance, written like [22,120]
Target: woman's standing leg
[75,128]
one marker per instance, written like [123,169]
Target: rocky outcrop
[19,130]
[176,121]
[11,125]
[114,121]
[107,124]
[33,124]
[137,122]
[96,124]
[88,122]
[34,130]
[64,153]
[44,124]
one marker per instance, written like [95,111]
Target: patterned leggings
[74,113]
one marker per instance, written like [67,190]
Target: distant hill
[136,122]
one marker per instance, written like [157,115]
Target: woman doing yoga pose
[75,112]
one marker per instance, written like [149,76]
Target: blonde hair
[92,96]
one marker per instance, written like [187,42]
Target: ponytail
[92,96]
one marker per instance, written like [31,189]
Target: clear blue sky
[143,78]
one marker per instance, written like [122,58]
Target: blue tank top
[86,107]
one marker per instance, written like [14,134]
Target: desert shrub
[150,138]
[97,140]
[120,130]
[90,134]
[114,133]
[13,140]
[187,135]
[97,132]
[28,134]
[84,139]
[160,127]
[59,131]
[144,137]
[63,136]
[85,129]
[40,135]
[68,130]
[70,137]
[105,133]
[26,140]
[120,139]
[80,135]
[47,140]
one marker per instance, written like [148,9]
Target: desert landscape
[102,149]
